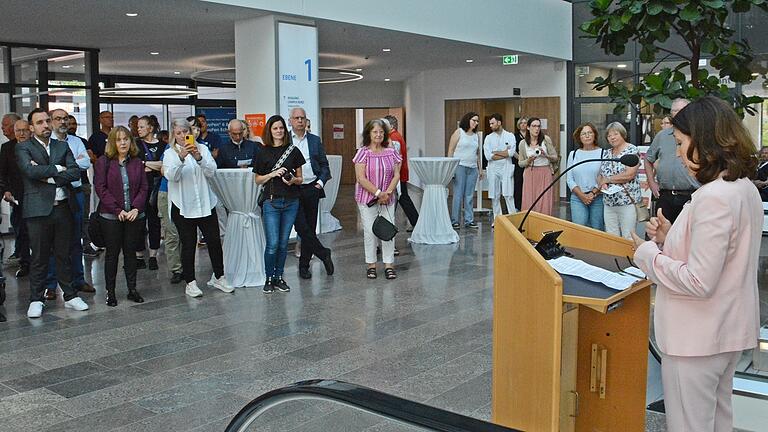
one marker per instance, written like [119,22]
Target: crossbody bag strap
[283,157]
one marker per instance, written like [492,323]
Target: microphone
[630,160]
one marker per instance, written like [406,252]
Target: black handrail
[363,399]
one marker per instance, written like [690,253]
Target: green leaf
[654,8]
[616,23]
[601,4]
[690,13]
[655,82]
[714,4]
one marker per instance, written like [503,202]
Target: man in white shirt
[499,148]
[60,125]
[316,173]
[47,169]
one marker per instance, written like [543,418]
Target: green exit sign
[509,59]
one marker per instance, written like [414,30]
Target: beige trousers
[170,235]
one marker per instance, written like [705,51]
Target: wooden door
[455,109]
[546,108]
[344,147]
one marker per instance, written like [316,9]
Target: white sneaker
[220,283]
[192,290]
[77,304]
[35,309]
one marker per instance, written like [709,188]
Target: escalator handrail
[364,399]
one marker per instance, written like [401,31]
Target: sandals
[389,273]
[371,273]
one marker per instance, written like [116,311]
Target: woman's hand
[132,215]
[278,172]
[586,198]
[384,198]
[193,150]
[637,239]
[123,216]
[183,152]
[658,227]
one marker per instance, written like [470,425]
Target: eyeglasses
[299,118]
[586,133]
[60,118]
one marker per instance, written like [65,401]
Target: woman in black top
[150,150]
[280,196]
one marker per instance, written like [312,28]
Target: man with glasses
[316,173]
[98,141]
[237,152]
[59,123]
[671,184]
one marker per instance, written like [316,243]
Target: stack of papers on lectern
[574,267]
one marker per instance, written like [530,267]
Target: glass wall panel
[123,112]
[3,65]
[73,101]
[601,115]
[180,111]
[588,72]
[26,99]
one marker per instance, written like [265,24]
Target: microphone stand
[541,195]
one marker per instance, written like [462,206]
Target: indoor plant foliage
[701,24]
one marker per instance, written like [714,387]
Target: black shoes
[153,263]
[472,224]
[2,292]
[304,273]
[328,263]
[268,287]
[134,296]
[86,288]
[140,263]
[280,284]
[111,299]
[176,278]
[90,252]
[23,271]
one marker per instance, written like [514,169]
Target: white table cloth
[244,241]
[434,226]
[327,222]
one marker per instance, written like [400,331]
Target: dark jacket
[109,185]
[318,159]
[39,195]
[230,153]
[10,177]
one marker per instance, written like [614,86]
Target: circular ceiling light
[335,75]
[147,92]
[216,76]
[131,14]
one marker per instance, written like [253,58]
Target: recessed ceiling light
[359,70]
[176,73]
[386,79]
[229,82]
[131,14]
[154,53]
[755,74]
[66,66]
[469,60]
[386,49]
[621,66]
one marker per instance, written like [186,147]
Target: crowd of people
[150,186]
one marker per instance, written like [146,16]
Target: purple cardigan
[110,190]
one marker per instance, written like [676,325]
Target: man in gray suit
[47,168]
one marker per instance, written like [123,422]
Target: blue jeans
[278,216]
[464,182]
[588,215]
[75,250]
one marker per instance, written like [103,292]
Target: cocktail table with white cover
[327,222]
[244,240]
[434,226]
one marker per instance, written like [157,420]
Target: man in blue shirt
[237,152]
[98,141]
[213,139]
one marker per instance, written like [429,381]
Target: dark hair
[193,121]
[151,122]
[369,128]
[464,122]
[577,134]
[202,115]
[719,141]
[266,136]
[497,117]
[133,117]
[392,120]
[540,138]
[71,117]
[33,112]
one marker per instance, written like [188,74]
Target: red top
[395,136]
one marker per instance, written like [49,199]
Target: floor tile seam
[73,351]
[476,371]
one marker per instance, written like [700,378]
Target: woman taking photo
[619,212]
[121,185]
[539,158]
[377,168]
[277,168]
[150,151]
[464,146]
[522,129]
[705,267]
[586,200]
[186,165]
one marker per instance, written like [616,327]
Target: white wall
[540,27]
[362,94]
[426,93]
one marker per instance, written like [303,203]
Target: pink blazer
[706,276]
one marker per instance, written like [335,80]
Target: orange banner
[256,122]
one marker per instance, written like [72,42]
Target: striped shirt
[379,170]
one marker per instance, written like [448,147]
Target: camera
[288,176]
[537,152]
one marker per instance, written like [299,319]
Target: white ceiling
[191,36]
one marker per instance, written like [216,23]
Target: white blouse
[187,184]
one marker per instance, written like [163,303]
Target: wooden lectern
[566,356]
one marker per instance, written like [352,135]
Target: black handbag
[95,230]
[383,228]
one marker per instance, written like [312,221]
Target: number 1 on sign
[308,62]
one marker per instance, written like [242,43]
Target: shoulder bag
[263,194]
[641,210]
[383,228]
[95,230]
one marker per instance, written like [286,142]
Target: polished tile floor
[180,364]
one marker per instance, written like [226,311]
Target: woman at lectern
[705,266]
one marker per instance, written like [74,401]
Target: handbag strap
[283,157]
[629,195]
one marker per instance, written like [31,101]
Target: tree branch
[673,53]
